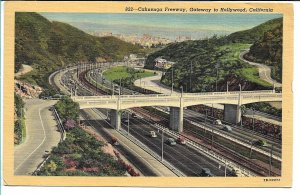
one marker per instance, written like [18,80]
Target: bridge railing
[130,99]
[178,95]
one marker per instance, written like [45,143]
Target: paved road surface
[153,83]
[41,136]
[264,70]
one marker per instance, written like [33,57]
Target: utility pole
[227,87]
[191,69]
[162,145]
[128,123]
[217,66]
[225,168]
[271,154]
[172,80]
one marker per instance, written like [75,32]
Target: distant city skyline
[171,26]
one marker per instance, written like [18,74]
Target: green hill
[253,34]
[46,46]
[268,50]
[195,67]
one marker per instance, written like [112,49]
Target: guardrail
[60,125]
[41,165]
[245,95]
[209,153]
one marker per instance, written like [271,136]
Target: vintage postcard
[162,94]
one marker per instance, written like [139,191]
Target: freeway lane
[143,161]
[237,133]
[41,135]
[186,159]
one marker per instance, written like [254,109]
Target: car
[133,115]
[259,143]
[205,172]
[114,141]
[171,142]
[227,128]
[153,134]
[181,140]
[218,122]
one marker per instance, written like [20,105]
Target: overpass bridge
[232,103]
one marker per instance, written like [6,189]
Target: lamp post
[252,140]
[212,138]
[162,145]
[96,82]
[271,154]
[225,174]
[128,123]
[217,66]
[172,80]
[191,69]
[205,115]
[181,90]
[227,87]
[239,104]
[252,119]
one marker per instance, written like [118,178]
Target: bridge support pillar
[176,119]
[232,113]
[115,119]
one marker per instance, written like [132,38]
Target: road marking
[38,145]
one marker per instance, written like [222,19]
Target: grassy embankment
[80,154]
[248,72]
[19,126]
[126,74]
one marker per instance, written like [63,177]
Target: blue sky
[168,25]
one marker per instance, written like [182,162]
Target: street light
[191,69]
[239,103]
[206,114]
[162,145]
[252,138]
[252,118]
[172,80]
[271,153]
[128,123]
[181,90]
[225,169]
[217,66]
[227,87]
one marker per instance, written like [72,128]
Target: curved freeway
[41,135]
[242,134]
[187,160]
[130,92]
[264,70]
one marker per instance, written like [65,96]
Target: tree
[67,109]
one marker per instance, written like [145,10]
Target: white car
[153,134]
[218,122]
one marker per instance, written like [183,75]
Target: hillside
[195,67]
[268,50]
[46,46]
[253,34]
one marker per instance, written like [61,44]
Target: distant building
[163,63]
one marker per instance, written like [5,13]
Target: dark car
[133,115]
[205,172]
[227,128]
[171,142]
